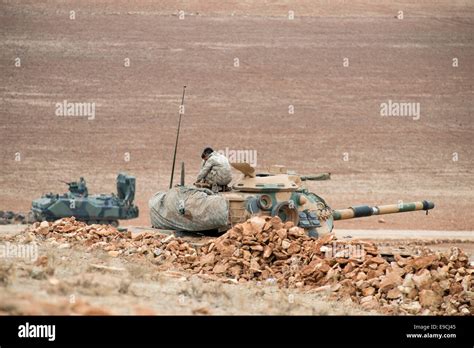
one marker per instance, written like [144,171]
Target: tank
[277,192]
[101,208]
[282,193]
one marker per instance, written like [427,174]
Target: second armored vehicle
[102,208]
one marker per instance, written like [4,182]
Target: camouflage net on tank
[188,208]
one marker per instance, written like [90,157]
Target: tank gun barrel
[365,210]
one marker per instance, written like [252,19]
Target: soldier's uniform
[216,170]
[82,187]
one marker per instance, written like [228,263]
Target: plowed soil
[282,62]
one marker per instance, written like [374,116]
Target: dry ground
[73,281]
[77,282]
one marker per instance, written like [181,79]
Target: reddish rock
[429,298]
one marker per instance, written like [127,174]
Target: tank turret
[278,192]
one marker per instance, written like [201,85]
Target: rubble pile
[268,250]
[8,217]
[265,249]
[261,249]
[68,231]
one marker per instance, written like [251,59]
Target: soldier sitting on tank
[215,171]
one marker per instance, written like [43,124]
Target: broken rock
[390,281]
[422,279]
[428,298]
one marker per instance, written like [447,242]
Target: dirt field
[79,282]
[282,62]
[336,125]
[72,280]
